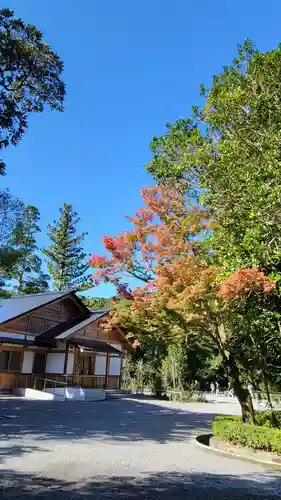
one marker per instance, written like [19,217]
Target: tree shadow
[162,486]
[126,419]
[16,450]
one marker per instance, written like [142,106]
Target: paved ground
[120,449]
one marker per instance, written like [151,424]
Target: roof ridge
[100,310]
[61,292]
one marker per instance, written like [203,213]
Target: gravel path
[124,448]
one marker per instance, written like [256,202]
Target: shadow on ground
[120,420]
[16,450]
[158,486]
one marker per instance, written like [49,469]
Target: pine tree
[11,211]
[66,257]
[28,271]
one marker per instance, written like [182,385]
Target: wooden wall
[94,331]
[7,381]
[46,317]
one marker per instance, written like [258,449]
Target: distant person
[230,392]
[213,388]
[217,388]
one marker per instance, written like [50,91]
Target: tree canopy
[30,77]
[184,291]
[28,269]
[227,154]
[207,244]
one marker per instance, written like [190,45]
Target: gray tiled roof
[21,304]
[99,312]
[94,315]
[96,346]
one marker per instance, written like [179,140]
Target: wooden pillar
[107,369]
[120,374]
[77,366]
[93,367]
[21,359]
[65,359]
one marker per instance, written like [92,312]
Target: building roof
[5,340]
[65,330]
[22,304]
[27,342]
[96,346]
[99,312]
[94,315]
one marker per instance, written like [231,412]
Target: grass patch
[258,437]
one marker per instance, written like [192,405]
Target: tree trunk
[242,393]
[269,400]
[268,397]
[20,282]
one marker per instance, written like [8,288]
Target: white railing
[54,383]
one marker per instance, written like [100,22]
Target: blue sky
[130,66]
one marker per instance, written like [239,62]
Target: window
[10,361]
[87,366]
[39,362]
[4,360]
[15,361]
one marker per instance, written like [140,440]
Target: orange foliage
[161,230]
[243,282]
[160,250]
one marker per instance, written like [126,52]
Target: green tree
[9,258]
[66,257]
[97,302]
[28,268]
[188,293]
[30,77]
[256,341]
[145,364]
[37,284]
[227,154]
[11,211]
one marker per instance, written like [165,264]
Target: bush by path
[259,437]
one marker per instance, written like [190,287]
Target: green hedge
[265,418]
[257,437]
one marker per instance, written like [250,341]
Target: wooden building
[53,336]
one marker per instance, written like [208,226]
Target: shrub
[258,437]
[269,419]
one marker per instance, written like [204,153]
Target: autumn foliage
[178,287]
[243,282]
[165,227]
[165,255]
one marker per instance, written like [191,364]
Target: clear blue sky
[130,66]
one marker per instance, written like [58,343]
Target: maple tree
[245,281]
[183,289]
[158,229]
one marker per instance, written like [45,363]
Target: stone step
[116,393]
